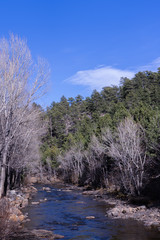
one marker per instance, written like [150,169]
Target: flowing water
[65,213]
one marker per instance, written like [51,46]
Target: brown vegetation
[7,226]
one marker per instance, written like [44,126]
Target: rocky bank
[18,199]
[12,216]
[120,209]
[117,208]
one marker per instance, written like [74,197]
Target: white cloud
[107,76]
[100,77]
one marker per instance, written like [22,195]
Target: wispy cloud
[151,66]
[100,77]
[107,75]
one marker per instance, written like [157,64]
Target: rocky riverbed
[118,209]
[82,216]
[115,209]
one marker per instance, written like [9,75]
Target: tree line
[109,138]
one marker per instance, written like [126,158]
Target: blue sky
[89,44]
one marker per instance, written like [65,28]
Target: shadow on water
[65,213]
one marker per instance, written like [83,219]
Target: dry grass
[6,227]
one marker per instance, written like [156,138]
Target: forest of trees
[111,138]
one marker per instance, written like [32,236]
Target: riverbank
[122,209]
[13,218]
[11,206]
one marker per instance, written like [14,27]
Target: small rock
[24,203]
[46,234]
[33,180]
[21,218]
[90,217]
[143,208]
[96,192]
[13,218]
[98,196]
[46,189]
[33,189]
[34,203]
[16,211]
[43,200]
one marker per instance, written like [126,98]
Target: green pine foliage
[73,122]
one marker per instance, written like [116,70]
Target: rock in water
[40,233]
[90,217]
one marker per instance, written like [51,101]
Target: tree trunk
[3,174]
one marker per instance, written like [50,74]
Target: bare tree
[127,148]
[96,162]
[72,162]
[24,151]
[21,83]
[85,166]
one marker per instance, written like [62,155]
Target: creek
[64,212]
